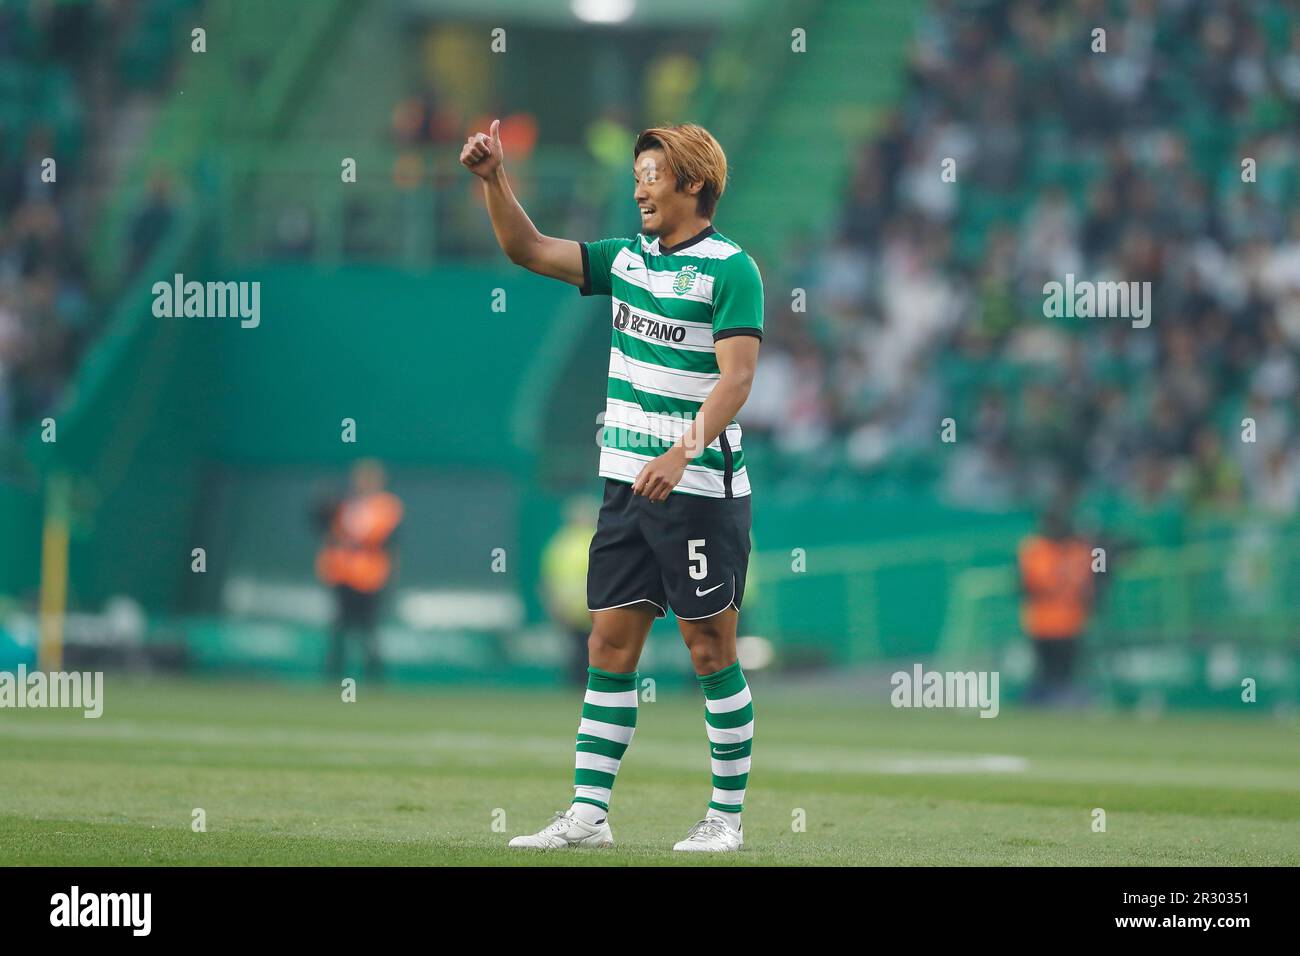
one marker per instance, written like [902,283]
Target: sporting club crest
[685,279]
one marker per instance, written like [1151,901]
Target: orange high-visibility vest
[1058,581]
[354,554]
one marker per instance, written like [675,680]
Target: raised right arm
[518,237]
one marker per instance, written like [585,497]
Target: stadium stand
[63,96]
[1126,166]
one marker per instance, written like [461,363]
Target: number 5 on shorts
[693,552]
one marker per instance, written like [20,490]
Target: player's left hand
[660,476]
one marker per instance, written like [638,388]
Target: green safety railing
[1240,587]
[837,593]
[413,206]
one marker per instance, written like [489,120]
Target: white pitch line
[986,763]
[491,747]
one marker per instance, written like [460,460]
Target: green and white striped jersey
[669,307]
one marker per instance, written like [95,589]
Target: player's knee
[709,660]
[608,651]
[710,651]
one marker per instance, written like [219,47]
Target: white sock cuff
[588,812]
[730,819]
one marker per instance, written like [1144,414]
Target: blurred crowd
[43,303]
[42,284]
[65,69]
[1122,165]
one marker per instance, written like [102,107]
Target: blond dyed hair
[692,155]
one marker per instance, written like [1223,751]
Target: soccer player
[687,316]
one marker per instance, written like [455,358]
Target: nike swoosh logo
[699,593]
[721,752]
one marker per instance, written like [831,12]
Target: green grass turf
[288,774]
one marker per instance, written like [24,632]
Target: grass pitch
[288,774]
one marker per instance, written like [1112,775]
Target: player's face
[662,206]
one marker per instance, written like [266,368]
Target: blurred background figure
[1058,595]
[356,560]
[152,222]
[564,579]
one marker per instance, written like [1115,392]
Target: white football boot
[565,829]
[712,835]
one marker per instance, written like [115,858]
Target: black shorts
[689,552]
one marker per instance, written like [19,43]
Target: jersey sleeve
[597,261]
[738,298]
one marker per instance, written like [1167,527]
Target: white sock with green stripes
[729,721]
[608,722]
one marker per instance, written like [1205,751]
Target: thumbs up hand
[482,154]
